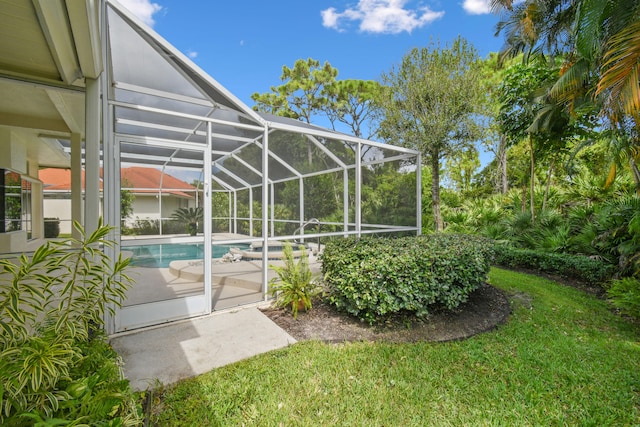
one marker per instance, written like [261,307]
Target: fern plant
[294,287]
[50,304]
[625,294]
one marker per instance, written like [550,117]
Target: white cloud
[143,9]
[192,54]
[477,7]
[381,16]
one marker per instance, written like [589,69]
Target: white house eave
[83,17]
[52,15]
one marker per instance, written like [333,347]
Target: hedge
[375,277]
[579,267]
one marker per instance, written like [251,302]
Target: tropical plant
[191,217]
[625,295]
[600,44]
[619,233]
[294,287]
[52,307]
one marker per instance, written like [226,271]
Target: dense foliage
[373,278]
[55,365]
[560,112]
[580,267]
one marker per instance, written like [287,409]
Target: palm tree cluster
[599,43]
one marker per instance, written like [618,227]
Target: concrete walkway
[179,350]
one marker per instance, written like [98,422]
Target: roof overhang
[48,48]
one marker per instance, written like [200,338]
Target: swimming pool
[161,255]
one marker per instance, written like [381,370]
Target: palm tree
[600,41]
[191,217]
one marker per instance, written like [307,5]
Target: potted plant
[294,287]
[191,217]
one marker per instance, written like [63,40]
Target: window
[15,203]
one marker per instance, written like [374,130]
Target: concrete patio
[169,353]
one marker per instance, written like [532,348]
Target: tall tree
[428,104]
[494,140]
[353,104]
[519,96]
[304,92]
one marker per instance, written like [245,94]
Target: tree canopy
[429,102]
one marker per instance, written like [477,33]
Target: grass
[563,358]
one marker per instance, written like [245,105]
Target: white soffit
[54,22]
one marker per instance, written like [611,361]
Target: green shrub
[51,228]
[145,227]
[294,287]
[372,278]
[625,295]
[51,310]
[579,267]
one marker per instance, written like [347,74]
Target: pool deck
[234,331]
[232,283]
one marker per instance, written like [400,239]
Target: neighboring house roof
[58,179]
[138,180]
[150,180]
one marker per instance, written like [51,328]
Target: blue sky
[243,44]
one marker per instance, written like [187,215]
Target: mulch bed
[486,308]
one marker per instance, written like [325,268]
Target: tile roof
[139,180]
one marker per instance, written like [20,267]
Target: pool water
[161,255]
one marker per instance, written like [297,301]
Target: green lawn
[562,359]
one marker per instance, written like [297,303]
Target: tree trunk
[635,173]
[435,192]
[503,185]
[533,177]
[548,186]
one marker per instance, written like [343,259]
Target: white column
[345,200]
[301,208]
[419,195]
[273,209]
[251,211]
[207,221]
[76,182]
[265,211]
[358,189]
[92,155]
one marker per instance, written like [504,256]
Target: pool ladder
[303,226]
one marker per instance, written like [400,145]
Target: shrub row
[372,278]
[579,267]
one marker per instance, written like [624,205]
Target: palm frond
[573,81]
[501,5]
[621,69]
[589,17]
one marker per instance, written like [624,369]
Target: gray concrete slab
[184,349]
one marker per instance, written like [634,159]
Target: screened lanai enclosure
[259,180]
[203,191]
